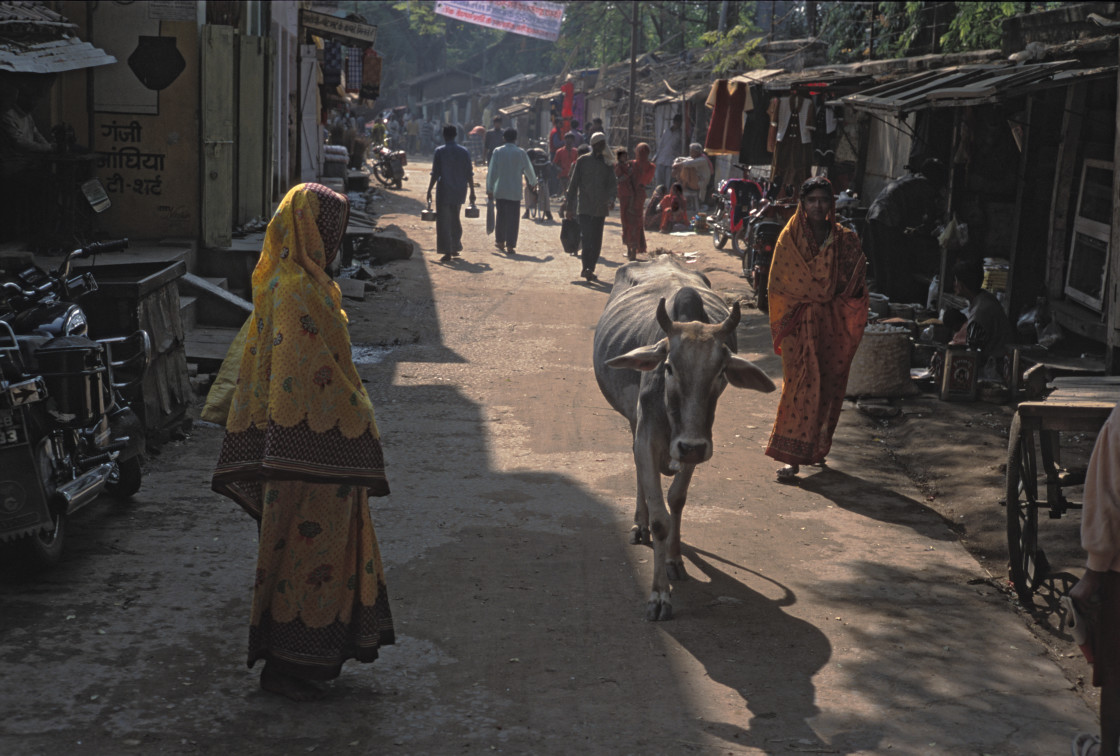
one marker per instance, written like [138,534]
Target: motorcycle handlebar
[98,248]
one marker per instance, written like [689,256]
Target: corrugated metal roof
[35,39]
[969,85]
[56,56]
[516,108]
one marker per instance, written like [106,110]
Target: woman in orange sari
[633,178]
[301,455]
[818,310]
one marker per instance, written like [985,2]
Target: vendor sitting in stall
[27,186]
[987,329]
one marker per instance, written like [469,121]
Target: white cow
[661,363]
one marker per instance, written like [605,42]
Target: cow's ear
[642,358]
[747,375]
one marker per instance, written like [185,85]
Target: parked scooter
[735,199]
[66,432]
[388,166]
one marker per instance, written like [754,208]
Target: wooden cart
[1077,404]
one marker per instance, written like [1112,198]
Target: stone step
[218,307]
[206,347]
[188,311]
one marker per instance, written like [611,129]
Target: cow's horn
[732,321]
[663,318]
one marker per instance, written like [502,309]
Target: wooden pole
[633,75]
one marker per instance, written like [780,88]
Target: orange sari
[818,310]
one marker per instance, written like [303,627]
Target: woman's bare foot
[288,686]
[788,474]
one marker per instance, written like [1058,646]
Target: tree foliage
[978,26]
[735,50]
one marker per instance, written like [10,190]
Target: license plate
[11,429]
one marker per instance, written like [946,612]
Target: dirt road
[839,617]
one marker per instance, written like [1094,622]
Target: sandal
[1085,744]
[788,474]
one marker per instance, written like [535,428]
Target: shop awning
[35,39]
[516,109]
[56,56]
[965,86]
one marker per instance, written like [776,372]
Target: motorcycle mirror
[96,195]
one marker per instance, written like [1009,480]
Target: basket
[881,366]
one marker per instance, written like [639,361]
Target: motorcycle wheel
[737,245]
[125,479]
[383,174]
[37,552]
[719,239]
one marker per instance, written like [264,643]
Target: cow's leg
[639,534]
[678,492]
[660,605]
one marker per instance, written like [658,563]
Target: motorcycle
[735,198]
[388,165]
[67,433]
[764,224]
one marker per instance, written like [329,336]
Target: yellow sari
[818,310]
[302,454]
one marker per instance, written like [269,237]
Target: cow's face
[694,364]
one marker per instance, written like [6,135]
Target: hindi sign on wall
[541,20]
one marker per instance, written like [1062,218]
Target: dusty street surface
[841,616]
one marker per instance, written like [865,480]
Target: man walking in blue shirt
[503,182]
[452,175]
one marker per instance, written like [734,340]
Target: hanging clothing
[353,69]
[302,454]
[371,76]
[332,63]
[752,148]
[728,101]
[818,310]
[791,118]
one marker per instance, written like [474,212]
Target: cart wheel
[1028,565]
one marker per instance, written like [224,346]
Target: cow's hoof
[639,536]
[674,569]
[659,608]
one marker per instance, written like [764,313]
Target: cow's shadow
[780,706]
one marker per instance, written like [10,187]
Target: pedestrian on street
[413,131]
[593,185]
[503,183]
[633,177]
[1097,594]
[301,455]
[818,309]
[577,135]
[668,149]
[452,176]
[494,138]
[564,159]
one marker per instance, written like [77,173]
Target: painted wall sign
[531,18]
[131,168]
[333,26]
[173,10]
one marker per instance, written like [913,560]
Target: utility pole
[633,74]
[723,17]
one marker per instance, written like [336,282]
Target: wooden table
[1077,404]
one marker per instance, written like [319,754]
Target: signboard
[332,26]
[531,18]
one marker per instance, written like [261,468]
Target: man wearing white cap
[593,184]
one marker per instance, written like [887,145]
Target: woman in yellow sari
[301,455]
[818,310]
